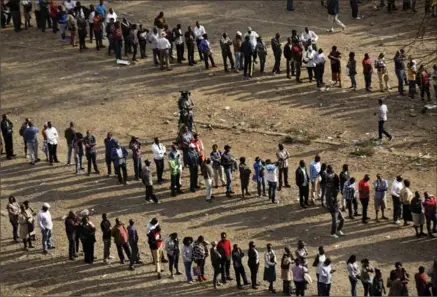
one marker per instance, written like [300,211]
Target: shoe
[204,278]
[240,287]
[45,252]
[255,287]
[422,234]
[303,206]
[397,222]
[340,233]
[131,268]
[190,282]
[364,221]
[334,236]
[229,278]
[122,262]
[159,275]
[384,218]
[178,273]
[287,186]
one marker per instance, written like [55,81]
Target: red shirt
[430,206]
[224,247]
[364,189]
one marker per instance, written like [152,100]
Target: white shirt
[382,115]
[396,188]
[272,175]
[353,271]
[310,35]
[319,58]
[52,135]
[163,43]
[180,39]
[310,58]
[91,17]
[199,31]
[322,259]
[119,153]
[158,150]
[326,275]
[69,5]
[111,16]
[44,219]
[153,39]
[252,37]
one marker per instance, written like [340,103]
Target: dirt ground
[46,80]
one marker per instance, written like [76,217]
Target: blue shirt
[101,10]
[109,145]
[31,134]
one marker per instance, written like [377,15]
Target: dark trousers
[381,130]
[429,220]
[135,254]
[201,265]
[14,223]
[364,205]
[52,153]
[325,289]
[367,287]
[283,176]
[71,245]
[300,288]
[368,80]
[336,215]
[248,65]
[411,88]
[290,67]
[106,248]
[142,49]
[226,268]
[227,55]
[91,25]
[127,45]
[88,250]
[425,90]
[297,68]
[319,71]
[43,15]
[137,162]
[194,173]
[198,49]
[173,262]
[253,273]
[290,5]
[54,24]
[156,56]
[122,173]
[126,248]
[109,164]
[180,52]
[400,76]
[174,183]
[150,195]
[217,270]
[303,195]
[9,146]
[354,7]
[91,157]
[352,203]
[261,185]
[82,36]
[118,50]
[16,19]
[262,61]
[210,57]
[353,286]
[272,191]
[190,49]
[406,213]
[159,169]
[240,273]
[277,66]
[397,210]
[99,39]
[286,289]
[311,71]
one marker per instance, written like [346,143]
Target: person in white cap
[45,223]
[164,51]
[252,36]
[237,43]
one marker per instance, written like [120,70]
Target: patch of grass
[300,139]
[367,151]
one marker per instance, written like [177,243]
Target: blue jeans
[188,266]
[272,191]
[353,286]
[46,239]
[400,75]
[70,149]
[237,60]
[353,81]
[228,173]
[411,88]
[137,166]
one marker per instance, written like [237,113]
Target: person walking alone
[382,118]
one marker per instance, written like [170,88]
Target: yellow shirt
[406,196]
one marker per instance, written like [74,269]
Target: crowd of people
[241,52]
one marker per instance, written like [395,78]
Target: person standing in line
[13,211]
[364,194]
[135,146]
[270,267]
[237,42]
[178,38]
[205,47]
[121,240]
[406,195]
[82,32]
[134,40]
[163,46]
[216,156]
[258,176]
[69,135]
[72,27]
[382,118]
[244,177]
[159,151]
[366,275]
[288,55]
[349,192]
[283,156]
[142,36]
[354,274]
[248,52]
[277,53]
[344,177]
[31,138]
[190,39]
[381,68]
[133,243]
[199,31]
[173,253]
[299,272]
[318,263]
[417,212]
[109,146]
[315,167]
[333,11]
[411,76]
[352,68]
[45,223]
[378,287]
[119,156]
[424,83]
[23,127]
[400,69]
[193,165]
[216,262]
[302,182]
[354,6]
[301,253]
[7,130]
[52,142]
[126,28]
[430,208]
[286,273]
[88,238]
[253,263]
[335,57]
[237,261]
[175,163]
[71,229]
[45,148]
[208,174]
[226,162]
[200,252]
[395,192]
[261,51]
[296,53]
[187,255]
[98,30]
[326,277]
[309,59]
[332,189]
[367,72]
[91,15]
[153,39]
[272,180]
[323,184]
[380,186]
[319,70]
[25,221]
[91,152]
[225,45]
[148,182]
[224,248]
[105,226]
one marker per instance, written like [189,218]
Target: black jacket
[251,253]
[300,177]
[247,49]
[105,225]
[287,52]
[344,177]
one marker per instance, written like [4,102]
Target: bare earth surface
[46,80]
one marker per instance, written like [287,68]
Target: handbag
[196,270]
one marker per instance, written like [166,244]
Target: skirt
[270,274]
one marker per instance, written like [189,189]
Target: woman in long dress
[26,225]
[270,267]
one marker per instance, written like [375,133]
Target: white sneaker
[334,235]
[340,233]
[111,257]
[358,18]
[398,222]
